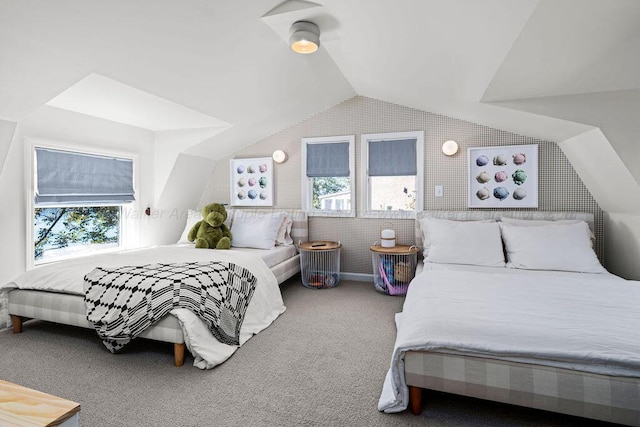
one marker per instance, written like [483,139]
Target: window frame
[307,182]
[365,184]
[127,211]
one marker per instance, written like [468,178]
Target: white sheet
[588,322]
[271,257]
[68,277]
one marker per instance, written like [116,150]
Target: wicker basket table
[393,268]
[320,264]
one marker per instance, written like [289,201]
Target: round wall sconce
[305,37]
[450,148]
[279,156]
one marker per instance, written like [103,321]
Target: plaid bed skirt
[599,397]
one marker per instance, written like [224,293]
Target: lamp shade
[305,37]
[279,156]
[387,238]
[450,148]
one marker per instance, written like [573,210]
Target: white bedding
[68,277]
[587,322]
[273,256]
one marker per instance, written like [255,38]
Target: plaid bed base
[70,310]
[600,397]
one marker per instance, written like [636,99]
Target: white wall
[60,125]
[170,160]
[622,245]
[7,128]
[188,177]
[603,172]
[560,188]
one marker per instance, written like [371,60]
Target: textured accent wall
[560,188]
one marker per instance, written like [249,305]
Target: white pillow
[284,232]
[534,222]
[565,247]
[193,216]
[463,242]
[252,229]
[423,222]
[229,221]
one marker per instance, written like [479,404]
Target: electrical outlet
[439,191]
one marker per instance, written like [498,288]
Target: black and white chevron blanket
[122,302]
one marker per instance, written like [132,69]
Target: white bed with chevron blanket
[55,292]
[265,306]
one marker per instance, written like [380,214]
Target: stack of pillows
[250,228]
[562,245]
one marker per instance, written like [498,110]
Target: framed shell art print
[252,182]
[503,177]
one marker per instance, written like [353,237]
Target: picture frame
[503,177]
[251,182]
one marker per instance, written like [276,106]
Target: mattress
[271,257]
[556,318]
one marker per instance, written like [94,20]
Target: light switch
[439,191]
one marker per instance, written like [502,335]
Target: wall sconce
[279,156]
[305,37]
[450,148]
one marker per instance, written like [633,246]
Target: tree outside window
[67,229]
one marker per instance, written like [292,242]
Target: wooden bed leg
[178,354]
[17,324]
[415,400]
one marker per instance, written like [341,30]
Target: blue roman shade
[328,159]
[65,177]
[392,157]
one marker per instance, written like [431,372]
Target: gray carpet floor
[322,363]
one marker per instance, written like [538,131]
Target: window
[392,174]
[77,204]
[328,170]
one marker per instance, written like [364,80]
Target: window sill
[389,214]
[332,214]
[77,256]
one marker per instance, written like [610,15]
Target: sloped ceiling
[214,57]
[579,61]
[502,63]
[572,47]
[125,104]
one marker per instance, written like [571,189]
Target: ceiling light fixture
[450,148]
[305,37]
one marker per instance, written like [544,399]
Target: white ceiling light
[305,37]
[450,148]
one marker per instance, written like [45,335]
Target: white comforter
[68,277]
[588,322]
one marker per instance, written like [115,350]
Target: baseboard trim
[358,277]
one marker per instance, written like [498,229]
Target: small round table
[393,268]
[320,264]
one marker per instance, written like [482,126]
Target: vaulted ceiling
[554,69]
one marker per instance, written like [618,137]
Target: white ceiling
[572,47]
[131,106]
[226,62]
